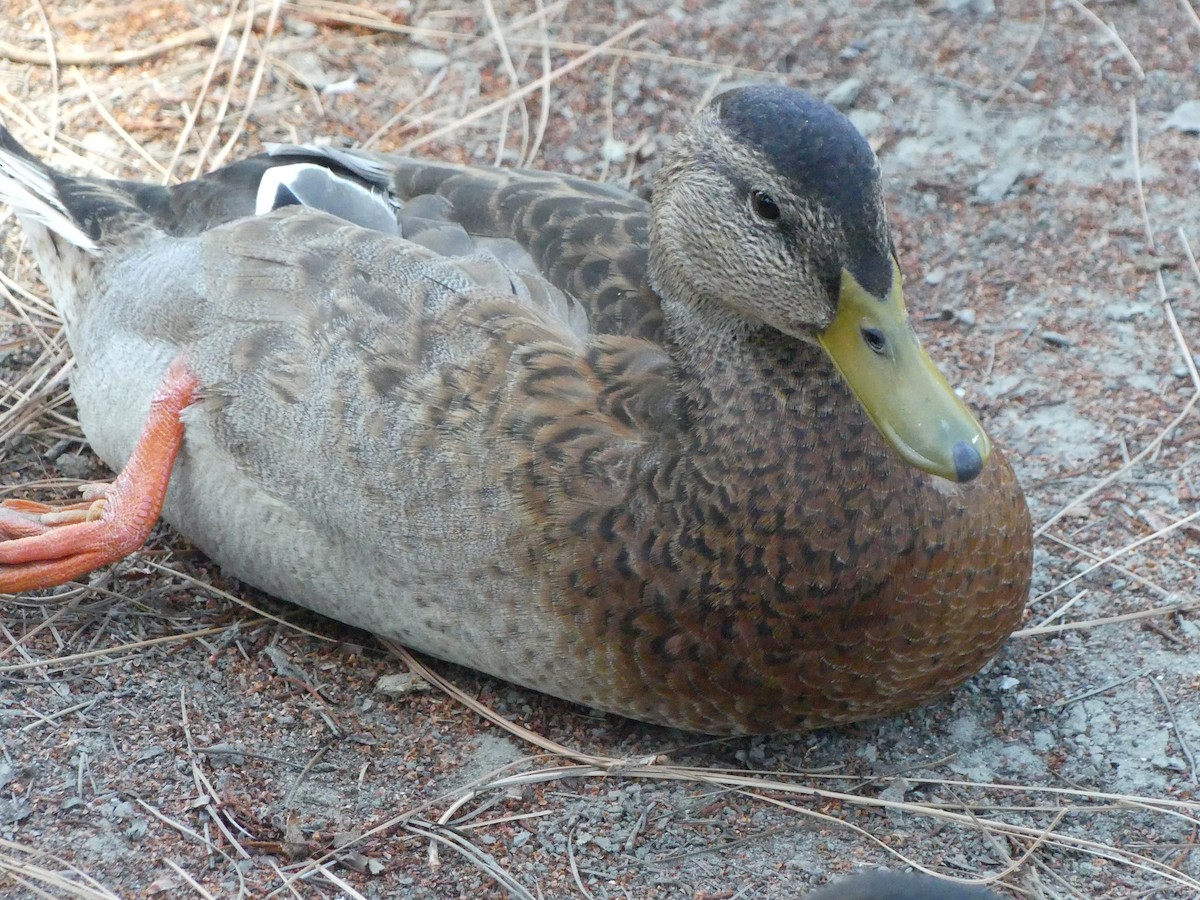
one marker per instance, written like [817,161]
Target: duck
[682,459]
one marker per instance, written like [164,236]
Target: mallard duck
[682,460]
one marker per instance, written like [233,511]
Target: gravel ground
[165,730]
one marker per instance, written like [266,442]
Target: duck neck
[726,361]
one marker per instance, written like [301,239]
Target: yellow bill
[874,347]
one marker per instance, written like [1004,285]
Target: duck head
[769,210]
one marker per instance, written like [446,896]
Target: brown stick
[68,57]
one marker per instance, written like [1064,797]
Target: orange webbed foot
[49,545]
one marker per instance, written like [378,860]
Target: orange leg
[53,545]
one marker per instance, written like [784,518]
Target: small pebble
[896,791]
[856,49]
[993,186]
[867,121]
[311,68]
[1043,741]
[978,7]
[344,86]
[1185,117]
[428,62]
[1125,312]
[1055,339]
[74,465]
[614,151]
[354,861]
[137,829]
[97,143]
[58,449]
[301,27]
[843,96]
[1169,763]
[401,683]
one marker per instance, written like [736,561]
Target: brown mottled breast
[775,566]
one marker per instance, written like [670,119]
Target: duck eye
[764,207]
[875,339]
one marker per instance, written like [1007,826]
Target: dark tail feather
[83,211]
[89,211]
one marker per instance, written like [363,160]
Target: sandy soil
[166,731]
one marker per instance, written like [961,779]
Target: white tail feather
[317,187]
[27,188]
